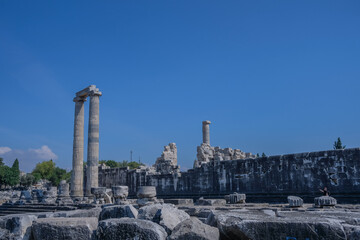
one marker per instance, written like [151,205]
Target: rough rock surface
[267,224]
[19,224]
[194,229]
[130,228]
[324,201]
[118,211]
[6,235]
[180,201]
[64,228]
[210,202]
[295,201]
[164,214]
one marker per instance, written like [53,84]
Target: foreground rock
[164,214]
[64,228]
[19,225]
[118,211]
[267,224]
[194,229]
[130,228]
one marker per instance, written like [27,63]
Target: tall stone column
[206,132]
[78,149]
[92,169]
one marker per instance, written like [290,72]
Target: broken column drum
[99,194]
[206,131]
[146,192]
[77,177]
[120,193]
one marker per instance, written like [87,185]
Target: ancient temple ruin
[206,153]
[93,143]
[167,163]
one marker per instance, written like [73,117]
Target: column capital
[206,122]
[79,99]
[95,92]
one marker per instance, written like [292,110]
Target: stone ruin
[206,153]
[167,163]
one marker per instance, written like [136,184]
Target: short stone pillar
[99,194]
[295,201]
[237,198]
[49,195]
[147,195]
[325,201]
[206,131]
[63,195]
[120,194]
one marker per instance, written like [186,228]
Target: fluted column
[93,143]
[206,132]
[78,149]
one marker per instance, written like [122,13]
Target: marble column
[206,132]
[93,143]
[78,149]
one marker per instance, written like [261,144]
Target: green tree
[1,161]
[257,155]
[48,170]
[15,174]
[134,165]
[263,155]
[110,163]
[122,164]
[27,180]
[338,144]
[5,175]
[44,170]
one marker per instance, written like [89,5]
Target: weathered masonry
[267,178]
[93,143]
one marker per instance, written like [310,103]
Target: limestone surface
[118,211]
[194,229]
[130,228]
[166,215]
[295,201]
[19,225]
[325,201]
[64,228]
[210,202]
[167,163]
[269,224]
[146,192]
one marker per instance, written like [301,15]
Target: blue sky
[273,76]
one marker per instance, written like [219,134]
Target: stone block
[19,224]
[194,229]
[324,201]
[64,228]
[237,198]
[179,201]
[295,201]
[118,211]
[164,214]
[130,228]
[146,192]
[210,202]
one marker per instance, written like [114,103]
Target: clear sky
[273,76]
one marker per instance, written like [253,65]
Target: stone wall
[262,179]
